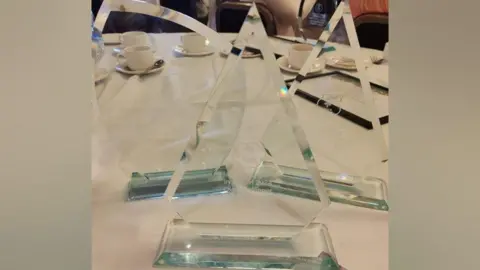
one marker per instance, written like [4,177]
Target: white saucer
[179,49]
[317,67]
[122,68]
[100,75]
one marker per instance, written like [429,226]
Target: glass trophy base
[368,192]
[199,182]
[233,246]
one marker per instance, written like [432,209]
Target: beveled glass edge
[153,186]
[289,108]
[378,137]
[326,260]
[144,186]
[342,188]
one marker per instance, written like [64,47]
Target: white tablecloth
[126,236]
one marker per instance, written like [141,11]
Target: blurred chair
[371,22]
[187,7]
[372,30]
[96,7]
[120,22]
[230,15]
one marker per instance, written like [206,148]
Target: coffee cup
[194,43]
[139,58]
[135,38]
[298,55]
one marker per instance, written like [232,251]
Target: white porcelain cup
[385,52]
[194,43]
[139,57]
[298,55]
[135,38]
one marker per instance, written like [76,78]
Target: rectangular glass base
[200,182]
[207,245]
[368,192]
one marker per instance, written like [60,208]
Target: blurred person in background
[286,11]
[316,14]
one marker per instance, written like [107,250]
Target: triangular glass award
[245,227]
[138,114]
[351,144]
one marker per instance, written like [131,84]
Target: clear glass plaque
[347,111]
[231,228]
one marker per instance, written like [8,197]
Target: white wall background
[435,135]
[45,86]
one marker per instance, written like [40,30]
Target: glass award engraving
[244,227]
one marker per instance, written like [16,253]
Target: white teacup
[298,55]
[139,58]
[194,43]
[135,38]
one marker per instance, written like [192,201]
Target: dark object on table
[231,14]
[345,114]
